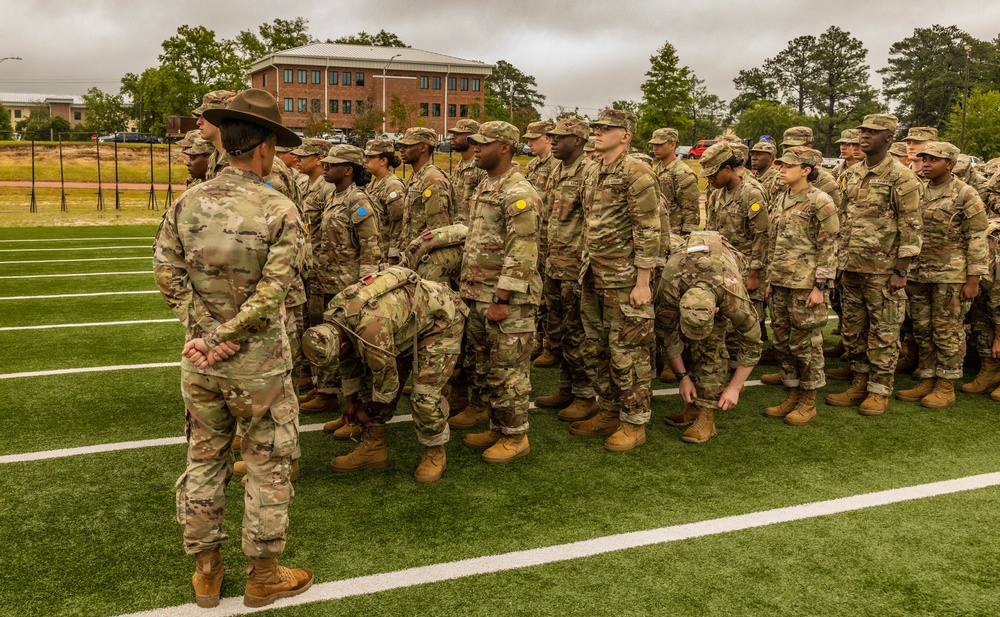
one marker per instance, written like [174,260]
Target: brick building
[330,81]
[20,104]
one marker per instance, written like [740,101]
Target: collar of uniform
[616,164]
[879,169]
[948,189]
[244,173]
[569,170]
[798,197]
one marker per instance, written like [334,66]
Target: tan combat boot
[834,351]
[207,579]
[537,350]
[786,406]
[841,373]
[874,405]
[508,448]
[237,443]
[470,418]
[319,403]
[483,440]
[943,395]
[853,396]
[304,397]
[305,382]
[431,466]
[685,418]
[240,469]
[913,395]
[333,425]
[604,423]
[370,453]
[703,428]
[347,432]
[267,581]
[771,379]
[908,358]
[627,437]
[667,374]
[555,401]
[995,395]
[458,397]
[579,409]
[407,390]
[805,409]
[545,360]
[988,377]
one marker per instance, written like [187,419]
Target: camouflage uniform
[466,176]
[225,255]
[437,254]
[193,145]
[740,215]
[217,99]
[388,196]
[430,199]
[984,315]
[679,188]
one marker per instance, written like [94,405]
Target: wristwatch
[900,272]
[821,286]
[681,376]
[498,300]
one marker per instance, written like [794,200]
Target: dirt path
[91,185]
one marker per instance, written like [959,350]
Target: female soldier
[387,192]
[803,258]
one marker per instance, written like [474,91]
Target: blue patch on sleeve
[362,211]
[269,184]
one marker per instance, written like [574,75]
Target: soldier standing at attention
[850,152]
[217,99]
[537,172]
[678,183]
[762,165]
[883,212]
[225,255]
[197,153]
[501,285]
[430,199]
[576,398]
[466,176]
[803,136]
[620,250]
[803,259]
[388,194]
[898,151]
[916,140]
[944,278]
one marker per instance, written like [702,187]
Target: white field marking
[88,325]
[81,239]
[78,248]
[87,369]
[63,261]
[47,276]
[82,295]
[439,572]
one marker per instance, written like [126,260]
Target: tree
[402,114]
[666,94]
[106,113]
[40,125]
[632,106]
[769,118]
[6,128]
[511,95]
[753,85]
[707,113]
[982,124]
[382,39]
[279,35]
[209,61]
[792,71]
[369,118]
[158,93]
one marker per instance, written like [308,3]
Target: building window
[334,105]
[359,107]
[288,76]
[424,82]
[77,115]
[464,111]
[314,106]
[346,107]
[452,83]
[423,109]
[436,109]
[17,113]
[465,83]
[452,110]
[263,80]
[289,105]
[302,76]
[359,79]
[347,80]
[316,77]
[303,105]
[333,75]
[475,85]
[437,83]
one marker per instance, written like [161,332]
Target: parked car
[830,163]
[130,138]
[699,148]
[683,152]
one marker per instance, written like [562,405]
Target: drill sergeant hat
[255,106]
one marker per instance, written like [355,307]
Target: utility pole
[384,69]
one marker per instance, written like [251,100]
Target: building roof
[362,56]
[32,98]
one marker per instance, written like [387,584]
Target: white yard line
[82,295]
[79,248]
[64,261]
[150,238]
[48,276]
[439,572]
[88,325]
[87,369]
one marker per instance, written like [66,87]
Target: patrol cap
[255,106]
[283,149]
[571,126]
[617,118]
[590,145]
[729,137]
[188,140]
[538,129]
[798,155]
[375,147]
[797,136]
[848,136]
[662,136]
[740,149]
[199,146]
[921,133]
[765,146]
[419,135]
[321,345]
[496,130]
[465,125]
[216,99]
[697,313]
[312,146]
[941,150]
[898,148]
[345,153]
[963,165]
[880,122]
[713,158]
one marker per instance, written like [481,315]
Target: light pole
[384,69]
[965,97]
[10,58]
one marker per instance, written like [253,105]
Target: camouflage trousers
[295,327]
[441,265]
[327,382]
[500,356]
[267,411]
[870,327]
[798,337]
[433,364]
[982,326]
[564,328]
[708,363]
[620,337]
[938,315]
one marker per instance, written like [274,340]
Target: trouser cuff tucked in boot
[880,389]
[429,441]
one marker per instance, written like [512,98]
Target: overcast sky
[583,54]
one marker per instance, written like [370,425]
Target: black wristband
[498,300]
[681,376]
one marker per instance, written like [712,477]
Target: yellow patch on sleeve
[521,204]
[755,207]
[427,192]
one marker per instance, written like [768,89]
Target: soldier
[802,261]
[850,152]
[501,285]
[762,165]
[224,258]
[701,295]
[290,160]
[916,140]
[388,194]
[538,171]
[984,316]
[803,136]
[621,248]
[466,176]
[576,398]
[430,200]
[197,154]
[590,152]
[883,212]
[370,328]
[898,151]
[944,277]
[678,183]
[217,99]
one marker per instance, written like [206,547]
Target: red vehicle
[699,147]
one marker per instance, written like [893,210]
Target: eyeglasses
[604,128]
[332,165]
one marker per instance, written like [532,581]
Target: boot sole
[871,412]
[935,406]
[377,465]
[847,404]
[255,601]
[799,422]
[207,601]
[497,461]
[611,448]
[909,399]
[775,416]
[693,440]
[605,433]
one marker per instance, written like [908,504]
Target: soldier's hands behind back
[197,351]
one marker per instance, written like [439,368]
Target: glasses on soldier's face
[332,165]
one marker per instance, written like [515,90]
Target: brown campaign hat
[465,125]
[497,130]
[538,129]
[662,136]
[419,135]
[216,99]
[921,133]
[255,106]
[570,126]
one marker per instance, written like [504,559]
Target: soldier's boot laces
[913,395]
[943,395]
[545,360]
[805,409]
[703,428]
[481,440]
[470,418]
[508,448]
[667,375]
[579,409]
[685,417]
[207,579]
[604,423]
[320,402]
[627,437]
[874,405]
[771,379]
[853,396]
[267,581]
[988,377]
[370,453]
[431,466]
[786,406]
[840,373]
[555,401]
[347,432]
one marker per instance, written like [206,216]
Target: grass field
[93,533]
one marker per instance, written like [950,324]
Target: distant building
[335,82]
[68,106]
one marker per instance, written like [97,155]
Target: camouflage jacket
[437,254]
[707,260]
[224,257]
[465,179]
[388,195]
[217,161]
[538,172]
[826,183]
[501,251]
[954,238]
[385,325]
[679,188]
[622,203]
[771,182]
[883,216]
[803,239]
[348,241]
[314,200]
[282,180]
[566,219]
[429,203]
[741,217]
